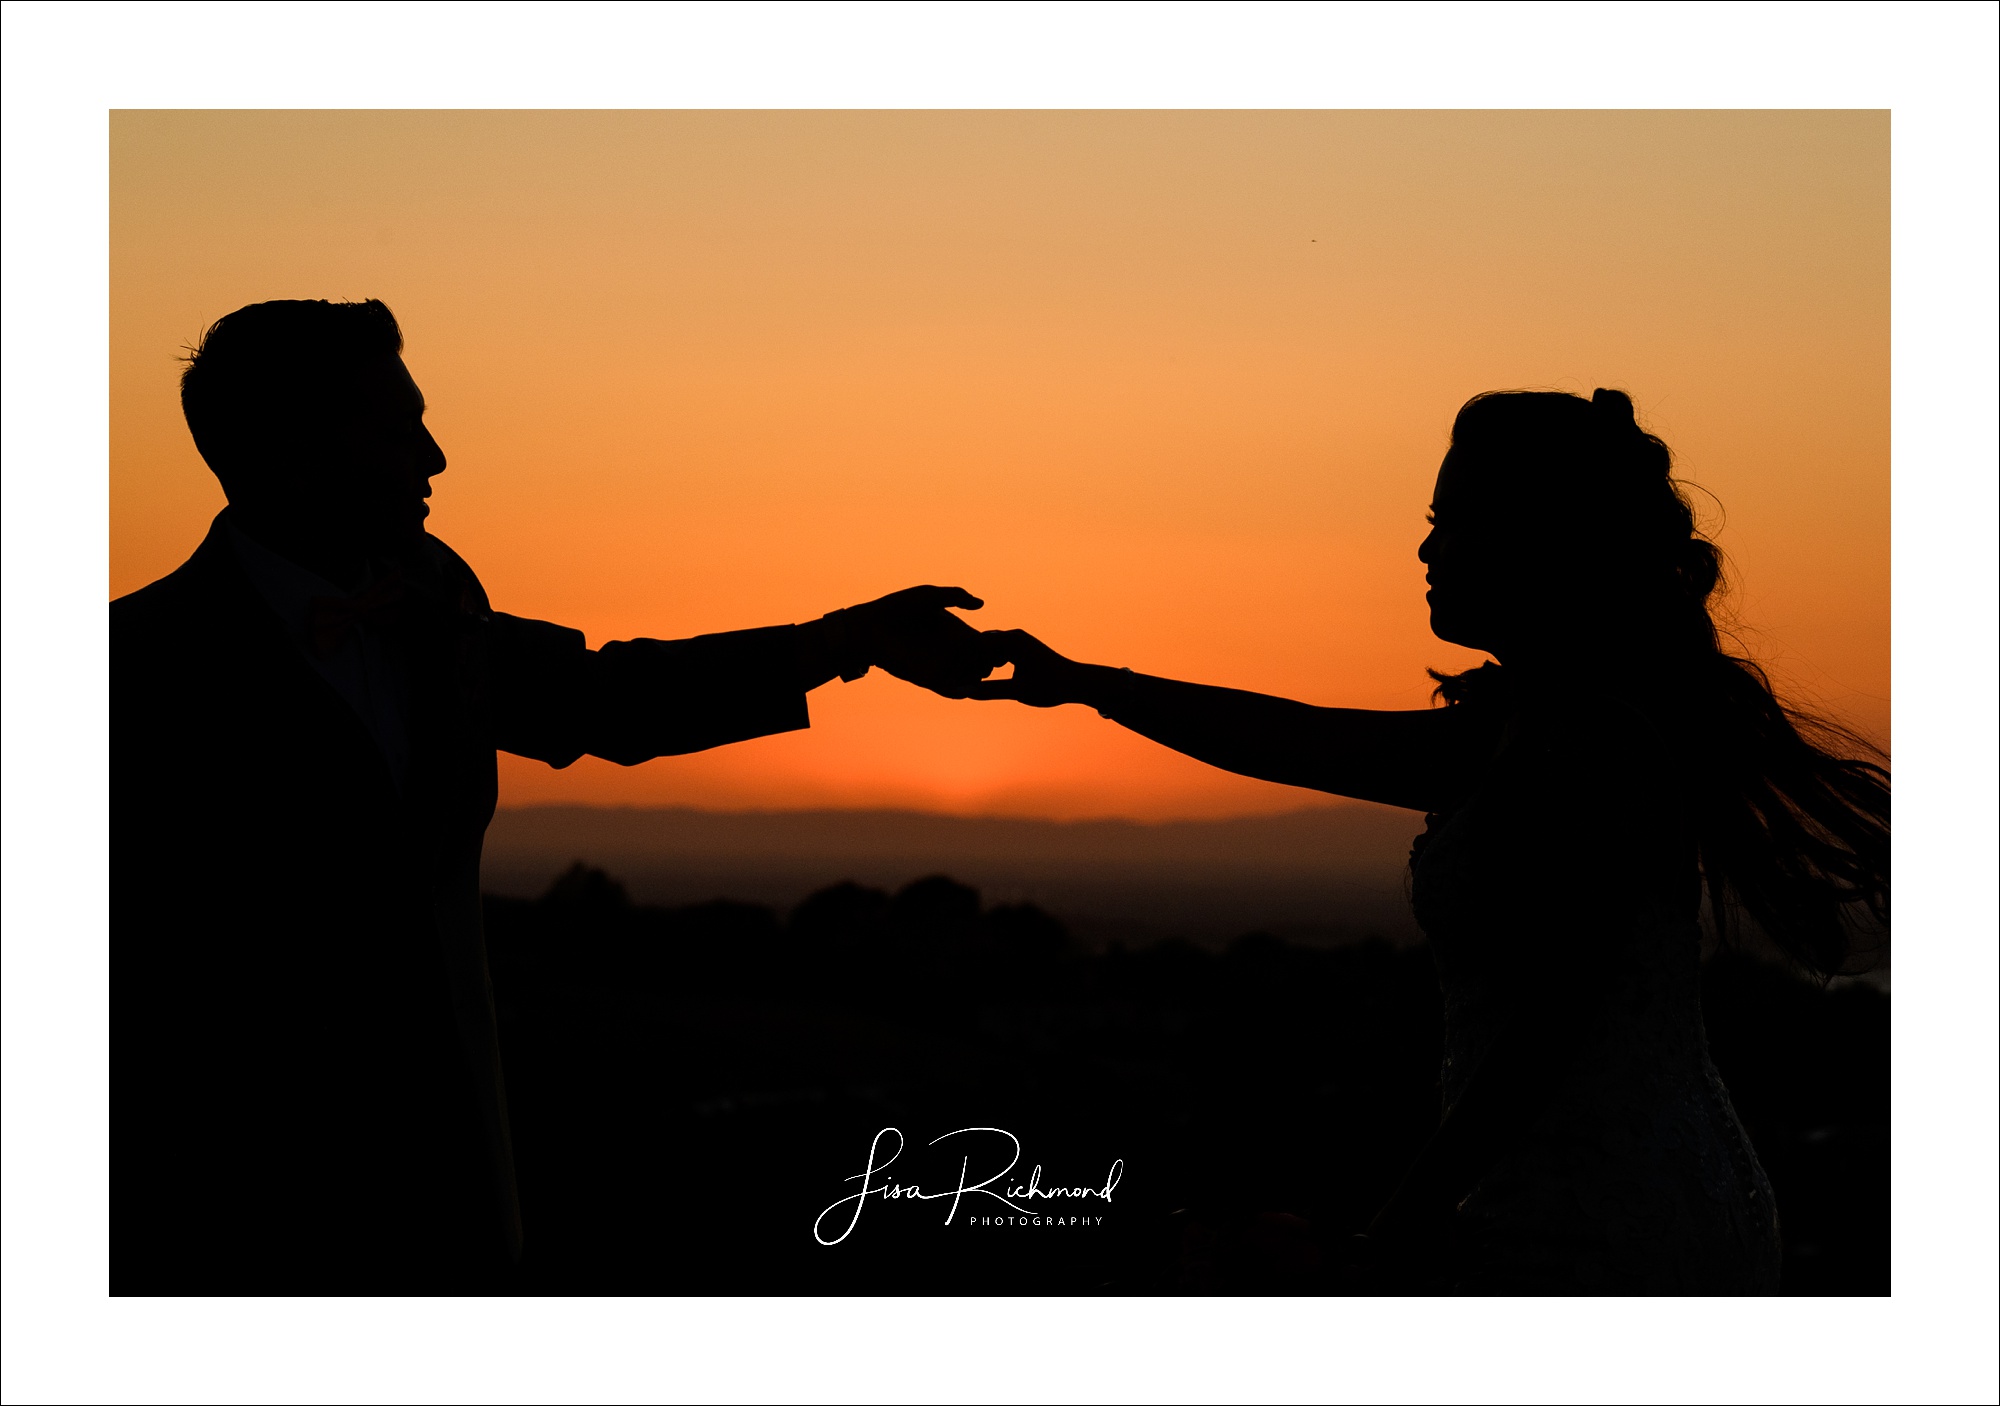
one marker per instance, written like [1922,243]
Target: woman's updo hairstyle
[1599,492]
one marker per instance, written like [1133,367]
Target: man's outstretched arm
[554,699]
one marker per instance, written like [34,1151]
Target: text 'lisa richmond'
[1021,1203]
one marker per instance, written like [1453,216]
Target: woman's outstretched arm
[1420,759]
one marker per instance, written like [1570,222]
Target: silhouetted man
[306,1082]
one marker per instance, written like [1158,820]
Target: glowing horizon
[1167,389]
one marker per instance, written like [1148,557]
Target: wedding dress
[1565,888]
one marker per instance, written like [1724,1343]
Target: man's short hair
[266,375]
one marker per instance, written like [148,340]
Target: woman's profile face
[1472,579]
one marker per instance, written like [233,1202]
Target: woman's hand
[1042,678]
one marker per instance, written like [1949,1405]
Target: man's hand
[914,636]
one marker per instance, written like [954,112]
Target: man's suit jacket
[306,1086]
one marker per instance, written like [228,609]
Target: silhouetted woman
[1581,793]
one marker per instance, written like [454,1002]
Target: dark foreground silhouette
[692,1087]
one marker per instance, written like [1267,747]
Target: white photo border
[67,65]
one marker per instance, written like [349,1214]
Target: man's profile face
[373,469]
[392,454]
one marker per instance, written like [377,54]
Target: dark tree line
[692,1086]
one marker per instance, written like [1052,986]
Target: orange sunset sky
[1168,389]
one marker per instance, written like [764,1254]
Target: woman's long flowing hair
[1791,810]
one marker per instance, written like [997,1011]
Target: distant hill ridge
[1332,871]
[1322,838]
